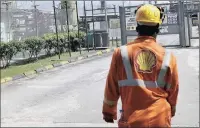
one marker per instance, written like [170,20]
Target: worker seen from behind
[144,75]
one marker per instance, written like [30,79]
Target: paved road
[72,95]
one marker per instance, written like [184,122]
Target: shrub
[49,43]
[34,45]
[8,50]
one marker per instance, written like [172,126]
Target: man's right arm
[173,87]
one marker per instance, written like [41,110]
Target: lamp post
[78,26]
[69,45]
[58,47]
[199,22]
[93,25]
[106,17]
[36,22]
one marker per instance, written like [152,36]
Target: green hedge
[8,50]
[34,45]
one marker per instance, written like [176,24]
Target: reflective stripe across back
[138,82]
[130,81]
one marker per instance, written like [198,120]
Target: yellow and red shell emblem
[145,61]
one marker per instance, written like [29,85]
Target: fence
[176,23]
[191,13]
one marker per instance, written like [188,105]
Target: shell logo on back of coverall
[145,61]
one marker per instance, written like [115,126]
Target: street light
[199,22]
[69,45]
[93,26]
[86,29]
[106,18]
[78,26]
[36,17]
[58,47]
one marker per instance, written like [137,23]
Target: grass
[19,69]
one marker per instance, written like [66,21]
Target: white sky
[47,5]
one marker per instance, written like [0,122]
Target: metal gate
[173,24]
[192,14]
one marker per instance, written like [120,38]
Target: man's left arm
[111,93]
[173,89]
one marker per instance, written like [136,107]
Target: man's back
[143,74]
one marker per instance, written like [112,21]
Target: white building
[6,20]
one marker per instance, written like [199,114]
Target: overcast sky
[47,5]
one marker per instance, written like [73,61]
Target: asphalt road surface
[72,95]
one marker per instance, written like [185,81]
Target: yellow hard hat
[149,15]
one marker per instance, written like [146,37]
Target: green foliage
[49,42]
[8,50]
[62,45]
[2,50]
[19,46]
[34,45]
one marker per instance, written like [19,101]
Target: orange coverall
[145,76]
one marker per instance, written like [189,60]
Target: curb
[64,62]
[80,58]
[100,53]
[18,76]
[6,79]
[3,81]
[39,70]
[29,73]
[57,65]
[49,67]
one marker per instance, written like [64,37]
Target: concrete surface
[72,95]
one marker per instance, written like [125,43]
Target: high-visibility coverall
[145,76]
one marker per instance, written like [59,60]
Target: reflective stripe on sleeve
[163,70]
[126,62]
[167,86]
[109,102]
[173,108]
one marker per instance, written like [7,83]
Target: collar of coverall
[146,38]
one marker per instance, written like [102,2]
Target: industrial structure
[17,24]
[6,20]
